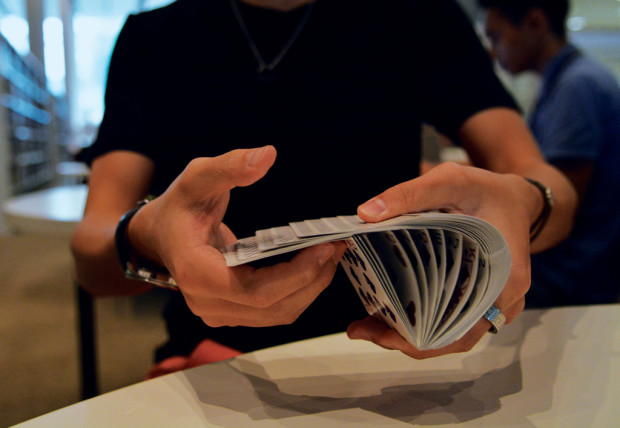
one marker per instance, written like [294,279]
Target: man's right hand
[182,230]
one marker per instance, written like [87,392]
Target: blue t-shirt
[577,118]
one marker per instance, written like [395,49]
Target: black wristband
[548,203]
[131,268]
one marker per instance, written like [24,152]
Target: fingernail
[255,157]
[327,252]
[374,208]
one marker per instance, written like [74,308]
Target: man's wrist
[133,266]
[547,206]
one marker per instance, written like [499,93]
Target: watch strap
[129,265]
[548,203]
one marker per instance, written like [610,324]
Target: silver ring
[496,318]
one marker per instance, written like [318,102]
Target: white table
[72,172]
[56,211]
[551,368]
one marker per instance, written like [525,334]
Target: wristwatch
[548,203]
[131,267]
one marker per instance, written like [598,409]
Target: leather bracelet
[130,267]
[548,203]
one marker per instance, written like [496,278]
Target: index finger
[312,267]
[381,334]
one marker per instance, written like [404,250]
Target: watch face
[546,191]
[158,279]
[549,196]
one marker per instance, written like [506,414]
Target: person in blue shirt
[576,122]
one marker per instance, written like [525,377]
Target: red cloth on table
[207,351]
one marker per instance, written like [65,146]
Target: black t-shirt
[344,111]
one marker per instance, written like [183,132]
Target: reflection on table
[550,368]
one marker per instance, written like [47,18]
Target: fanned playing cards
[430,276]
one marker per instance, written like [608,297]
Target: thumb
[255,161]
[431,191]
[394,201]
[241,167]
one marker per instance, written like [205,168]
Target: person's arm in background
[496,139]
[578,172]
[573,133]
[182,231]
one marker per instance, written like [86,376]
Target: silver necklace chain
[262,65]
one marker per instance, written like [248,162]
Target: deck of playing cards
[430,276]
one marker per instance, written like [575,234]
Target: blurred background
[53,63]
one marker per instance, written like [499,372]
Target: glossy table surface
[549,368]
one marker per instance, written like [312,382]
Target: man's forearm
[561,218]
[96,265]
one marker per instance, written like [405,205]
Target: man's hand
[466,190]
[183,231]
